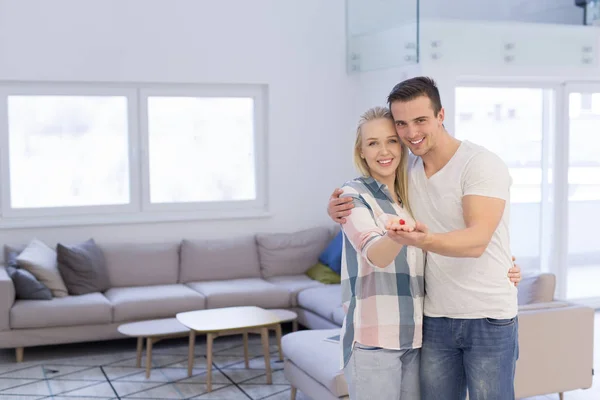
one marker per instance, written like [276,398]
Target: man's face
[416,124]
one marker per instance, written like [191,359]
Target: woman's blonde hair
[401,182]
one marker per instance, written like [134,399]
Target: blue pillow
[332,255]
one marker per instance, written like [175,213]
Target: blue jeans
[478,354]
[377,373]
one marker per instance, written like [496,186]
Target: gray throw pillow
[11,259]
[27,287]
[82,267]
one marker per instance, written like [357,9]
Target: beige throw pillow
[40,261]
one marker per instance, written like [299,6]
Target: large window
[510,122]
[517,123]
[550,140]
[132,152]
[582,252]
[584,146]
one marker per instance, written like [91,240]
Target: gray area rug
[106,370]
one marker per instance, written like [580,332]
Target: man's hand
[339,208]
[418,236]
[514,273]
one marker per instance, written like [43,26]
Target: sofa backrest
[135,264]
[291,253]
[219,259]
[536,288]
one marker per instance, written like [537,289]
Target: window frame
[139,209]
[552,188]
[554,210]
[226,91]
[67,90]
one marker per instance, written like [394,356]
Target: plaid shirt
[384,306]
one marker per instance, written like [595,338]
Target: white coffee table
[224,322]
[153,331]
[284,316]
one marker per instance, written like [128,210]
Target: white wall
[297,48]
[374,86]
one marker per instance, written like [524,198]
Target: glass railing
[381,33]
[384,34]
[561,12]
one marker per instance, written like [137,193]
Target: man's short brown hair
[412,88]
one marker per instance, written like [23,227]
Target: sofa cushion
[242,292]
[537,288]
[321,300]
[40,260]
[318,358]
[151,302]
[219,259]
[82,267]
[291,253]
[294,284]
[141,264]
[338,315]
[87,309]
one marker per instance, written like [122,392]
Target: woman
[382,281]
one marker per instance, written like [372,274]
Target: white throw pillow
[40,260]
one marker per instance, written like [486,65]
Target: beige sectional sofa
[158,280]
[555,343]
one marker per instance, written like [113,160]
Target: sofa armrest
[556,342]
[7,298]
[537,288]
[544,306]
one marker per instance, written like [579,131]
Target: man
[459,194]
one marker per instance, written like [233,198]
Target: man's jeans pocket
[501,322]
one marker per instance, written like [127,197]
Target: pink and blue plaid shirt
[384,306]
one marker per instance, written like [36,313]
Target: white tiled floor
[102,371]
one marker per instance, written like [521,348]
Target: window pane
[584,146]
[201,149]
[68,151]
[511,122]
[583,269]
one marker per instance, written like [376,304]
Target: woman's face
[381,148]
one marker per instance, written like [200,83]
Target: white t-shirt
[465,287]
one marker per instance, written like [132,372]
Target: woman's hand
[407,234]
